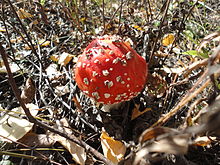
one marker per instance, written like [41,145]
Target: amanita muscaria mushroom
[110,71]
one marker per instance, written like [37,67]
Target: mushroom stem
[109,107]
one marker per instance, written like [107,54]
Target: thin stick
[188,97]
[41,124]
[24,30]
[103,13]
[159,32]
[192,92]
[113,16]
[120,15]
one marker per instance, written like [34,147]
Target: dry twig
[193,92]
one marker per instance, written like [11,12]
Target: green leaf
[196,53]
[42,2]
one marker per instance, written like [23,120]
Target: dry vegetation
[177,114]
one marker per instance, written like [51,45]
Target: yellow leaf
[64,59]
[35,22]
[137,113]
[83,19]
[138,27]
[23,14]
[43,42]
[54,58]
[113,149]
[108,26]
[2,29]
[168,39]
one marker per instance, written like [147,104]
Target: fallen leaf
[168,39]
[64,58]
[14,68]
[23,14]
[209,118]
[157,86]
[174,144]
[162,140]
[138,27]
[52,72]
[154,133]
[37,140]
[54,58]
[27,95]
[196,53]
[178,70]
[13,126]
[62,90]
[16,40]
[136,112]
[78,153]
[113,150]
[203,141]
[43,43]
[35,22]
[2,29]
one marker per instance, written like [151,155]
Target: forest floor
[174,120]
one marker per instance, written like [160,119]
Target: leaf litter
[177,110]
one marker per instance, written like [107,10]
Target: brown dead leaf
[22,14]
[203,141]
[54,58]
[157,86]
[113,149]
[174,144]
[209,117]
[166,140]
[136,112]
[37,140]
[41,43]
[78,153]
[16,40]
[64,58]
[28,93]
[153,133]
[163,140]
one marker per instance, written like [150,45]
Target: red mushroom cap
[110,71]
